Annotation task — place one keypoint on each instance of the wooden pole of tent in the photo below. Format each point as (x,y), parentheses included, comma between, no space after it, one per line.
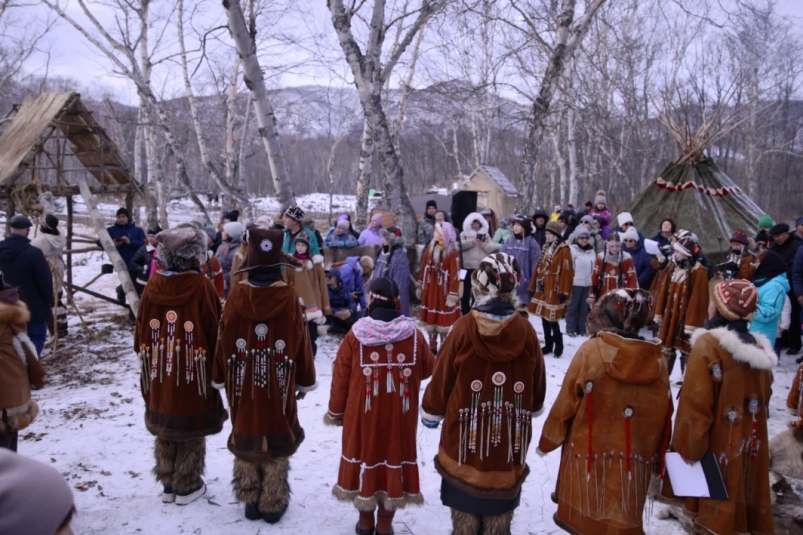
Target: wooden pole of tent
(69,239)
(108,245)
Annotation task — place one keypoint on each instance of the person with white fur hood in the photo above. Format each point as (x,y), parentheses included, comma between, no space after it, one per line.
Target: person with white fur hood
(476,243)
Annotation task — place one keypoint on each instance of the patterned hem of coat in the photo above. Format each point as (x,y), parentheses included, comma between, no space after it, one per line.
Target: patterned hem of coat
(166,433)
(483,493)
(368,504)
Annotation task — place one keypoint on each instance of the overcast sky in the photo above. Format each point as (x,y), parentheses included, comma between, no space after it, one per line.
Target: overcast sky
(69,55)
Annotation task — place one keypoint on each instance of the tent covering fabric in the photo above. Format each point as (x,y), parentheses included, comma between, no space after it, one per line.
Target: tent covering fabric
(700,198)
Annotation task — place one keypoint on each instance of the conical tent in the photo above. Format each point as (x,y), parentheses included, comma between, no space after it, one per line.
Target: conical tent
(701,198)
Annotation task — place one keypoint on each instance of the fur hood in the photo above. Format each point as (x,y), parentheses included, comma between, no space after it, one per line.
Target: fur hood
(469,232)
(309,264)
(760,356)
(17,314)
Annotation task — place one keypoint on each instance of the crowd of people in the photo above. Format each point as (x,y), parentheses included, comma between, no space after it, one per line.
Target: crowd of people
(234,312)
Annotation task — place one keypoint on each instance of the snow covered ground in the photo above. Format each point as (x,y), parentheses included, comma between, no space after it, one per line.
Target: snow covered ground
(91,429)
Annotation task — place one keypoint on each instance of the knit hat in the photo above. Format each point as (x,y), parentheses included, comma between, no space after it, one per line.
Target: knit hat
(780,228)
(765,221)
(234,230)
(304,238)
(770,266)
(684,246)
(342,224)
(123,211)
(557,208)
(581,231)
(629,234)
(265,250)
(432,203)
(601,198)
(739,236)
(393,235)
(587,219)
(19,222)
(34,497)
(495,278)
(762,237)
(623,218)
(179,246)
(623,311)
(51,221)
(554,228)
(343,217)
(154,230)
(736,299)
(377,218)
(366,263)
(232,215)
(799,221)
(295,212)
(383,292)
(210,233)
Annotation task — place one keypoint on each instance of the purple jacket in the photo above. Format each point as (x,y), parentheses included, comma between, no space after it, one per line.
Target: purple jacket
(605,217)
(370,236)
(396,266)
(526,252)
(351,277)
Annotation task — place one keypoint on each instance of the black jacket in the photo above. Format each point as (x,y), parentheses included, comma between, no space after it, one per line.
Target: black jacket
(140,264)
(24,266)
(787,251)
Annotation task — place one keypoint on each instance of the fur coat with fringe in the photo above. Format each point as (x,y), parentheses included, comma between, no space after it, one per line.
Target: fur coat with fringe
(612,379)
(376,380)
(309,281)
(723,410)
(17,409)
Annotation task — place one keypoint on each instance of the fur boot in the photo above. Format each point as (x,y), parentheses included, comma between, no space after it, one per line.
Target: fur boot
(247,481)
(190,464)
(275,495)
(465,523)
(548,340)
(497,525)
(164,451)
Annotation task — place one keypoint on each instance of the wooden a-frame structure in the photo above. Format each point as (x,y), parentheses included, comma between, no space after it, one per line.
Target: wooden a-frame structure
(56,139)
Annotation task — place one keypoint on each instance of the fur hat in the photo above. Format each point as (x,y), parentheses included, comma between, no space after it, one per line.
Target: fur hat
(178,247)
(684,246)
(295,212)
(739,236)
(624,217)
(495,278)
(629,234)
(554,228)
(624,311)
(265,250)
(601,198)
(736,299)
(393,235)
(234,231)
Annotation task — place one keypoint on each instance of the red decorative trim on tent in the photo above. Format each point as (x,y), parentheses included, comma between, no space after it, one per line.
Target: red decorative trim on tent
(711,192)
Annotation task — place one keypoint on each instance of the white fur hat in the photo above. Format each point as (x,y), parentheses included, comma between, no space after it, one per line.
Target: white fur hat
(624,217)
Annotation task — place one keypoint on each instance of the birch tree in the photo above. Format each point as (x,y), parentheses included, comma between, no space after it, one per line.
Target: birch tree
(244,37)
(370,73)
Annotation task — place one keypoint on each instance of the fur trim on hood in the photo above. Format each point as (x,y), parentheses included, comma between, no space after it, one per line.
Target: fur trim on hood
(470,232)
(760,356)
(17,314)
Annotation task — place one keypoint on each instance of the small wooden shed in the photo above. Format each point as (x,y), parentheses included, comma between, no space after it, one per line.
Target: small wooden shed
(494,190)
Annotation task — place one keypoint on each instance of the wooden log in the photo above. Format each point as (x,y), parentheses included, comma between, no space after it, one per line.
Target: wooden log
(79,251)
(69,237)
(75,288)
(108,245)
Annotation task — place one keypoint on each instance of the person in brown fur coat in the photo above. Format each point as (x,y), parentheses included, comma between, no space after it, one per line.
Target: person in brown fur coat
(175,340)
(723,410)
(612,421)
(489,382)
(264,362)
(19,368)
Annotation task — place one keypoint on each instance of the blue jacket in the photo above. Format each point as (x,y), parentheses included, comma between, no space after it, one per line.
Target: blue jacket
(351,276)
(136,237)
(24,267)
(771,298)
(287,247)
(797,273)
(339,240)
(340,297)
(643,263)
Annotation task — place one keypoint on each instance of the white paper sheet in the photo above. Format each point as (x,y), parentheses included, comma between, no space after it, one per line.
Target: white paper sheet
(687,480)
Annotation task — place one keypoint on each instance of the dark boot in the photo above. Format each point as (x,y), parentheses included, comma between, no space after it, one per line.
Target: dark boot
(275,495)
(558,338)
(252,511)
(164,451)
(548,340)
(670,355)
(433,342)
(359,531)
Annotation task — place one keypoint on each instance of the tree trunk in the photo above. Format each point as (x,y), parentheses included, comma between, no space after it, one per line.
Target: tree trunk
(244,139)
(364,180)
(108,245)
(571,146)
(255,82)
